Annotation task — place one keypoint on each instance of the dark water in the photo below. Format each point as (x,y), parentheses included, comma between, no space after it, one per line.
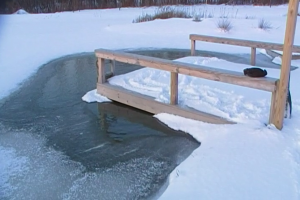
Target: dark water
(75,150)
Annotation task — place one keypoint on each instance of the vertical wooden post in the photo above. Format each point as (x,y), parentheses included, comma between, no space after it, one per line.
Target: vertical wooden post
(280,99)
(273,105)
(174,88)
(193,47)
(101,71)
(253,56)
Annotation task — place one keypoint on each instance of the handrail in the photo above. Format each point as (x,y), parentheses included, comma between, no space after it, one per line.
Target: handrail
(215,74)
(239,42)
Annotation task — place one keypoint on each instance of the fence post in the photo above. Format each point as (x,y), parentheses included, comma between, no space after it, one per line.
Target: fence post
(273,104)
(281,95)
(253,56)
(101,70)
(193,47)
(174,88)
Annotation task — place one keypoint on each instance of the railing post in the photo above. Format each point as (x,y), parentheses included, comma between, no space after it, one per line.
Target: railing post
(273,104)
(253,56)
(174,88)
(290,29)
(101,71)
(193,47)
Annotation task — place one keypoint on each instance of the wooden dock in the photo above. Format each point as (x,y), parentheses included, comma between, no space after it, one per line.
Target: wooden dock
(148,104)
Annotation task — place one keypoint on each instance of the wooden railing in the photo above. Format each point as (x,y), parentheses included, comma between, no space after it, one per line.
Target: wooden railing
(175,68)
(276,110)
(245,43)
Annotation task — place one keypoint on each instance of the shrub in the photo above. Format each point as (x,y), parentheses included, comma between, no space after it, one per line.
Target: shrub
(164,12)
(224,24)
(204,14)
(264,25)
(167,12)
(143,18)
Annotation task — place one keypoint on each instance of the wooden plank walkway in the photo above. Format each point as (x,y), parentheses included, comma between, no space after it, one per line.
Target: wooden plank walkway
(149,104)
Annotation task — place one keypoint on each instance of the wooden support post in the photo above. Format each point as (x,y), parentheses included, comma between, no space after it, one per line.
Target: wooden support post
(253,56)
(174,88)
(193,47)
(273,105)
(101,70)
(280,99)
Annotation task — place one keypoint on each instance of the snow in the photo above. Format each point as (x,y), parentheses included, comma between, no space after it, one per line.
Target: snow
(93,96)
(21,12)
(247,160)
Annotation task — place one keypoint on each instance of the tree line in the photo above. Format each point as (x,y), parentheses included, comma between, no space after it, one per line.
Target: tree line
(51,6)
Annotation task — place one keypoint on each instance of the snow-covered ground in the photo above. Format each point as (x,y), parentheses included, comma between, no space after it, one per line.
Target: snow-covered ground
(243,161)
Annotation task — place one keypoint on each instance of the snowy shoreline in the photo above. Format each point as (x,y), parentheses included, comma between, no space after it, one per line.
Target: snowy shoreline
(243,161)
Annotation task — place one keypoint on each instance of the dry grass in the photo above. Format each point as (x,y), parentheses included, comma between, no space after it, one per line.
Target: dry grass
(264,24)
(224,24)
(164,12)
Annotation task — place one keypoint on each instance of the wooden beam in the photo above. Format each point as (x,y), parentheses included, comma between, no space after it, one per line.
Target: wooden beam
(280,100)
(174,88)
(253,56)
(273,105)
(148,104)
(101,70)
(226,76)
(193,47)
(245,43)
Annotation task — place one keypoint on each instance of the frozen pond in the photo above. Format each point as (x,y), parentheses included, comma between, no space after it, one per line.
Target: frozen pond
(55,146)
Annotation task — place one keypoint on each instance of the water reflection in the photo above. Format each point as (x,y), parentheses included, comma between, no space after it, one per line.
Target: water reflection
(127,153)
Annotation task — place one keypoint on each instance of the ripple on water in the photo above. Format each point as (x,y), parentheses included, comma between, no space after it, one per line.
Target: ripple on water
(55,146)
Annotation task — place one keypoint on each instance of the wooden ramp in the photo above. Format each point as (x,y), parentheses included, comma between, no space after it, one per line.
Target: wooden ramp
(149,104)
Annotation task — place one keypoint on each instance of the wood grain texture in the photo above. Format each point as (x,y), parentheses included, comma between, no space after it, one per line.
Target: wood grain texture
(193,47)
(101,70)
(226,76)
(245,43)
(148,104)
(253,56)
(280,100)
(174,88)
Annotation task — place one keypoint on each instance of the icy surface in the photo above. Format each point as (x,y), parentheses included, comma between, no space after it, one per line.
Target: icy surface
(93,96)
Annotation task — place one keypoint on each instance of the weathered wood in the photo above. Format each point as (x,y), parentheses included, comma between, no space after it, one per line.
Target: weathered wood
(245,43)
(280,100)
(253,56)
(273,106)
(174,88)
(101,70)
(226,76)
(193,47)
(148,104)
